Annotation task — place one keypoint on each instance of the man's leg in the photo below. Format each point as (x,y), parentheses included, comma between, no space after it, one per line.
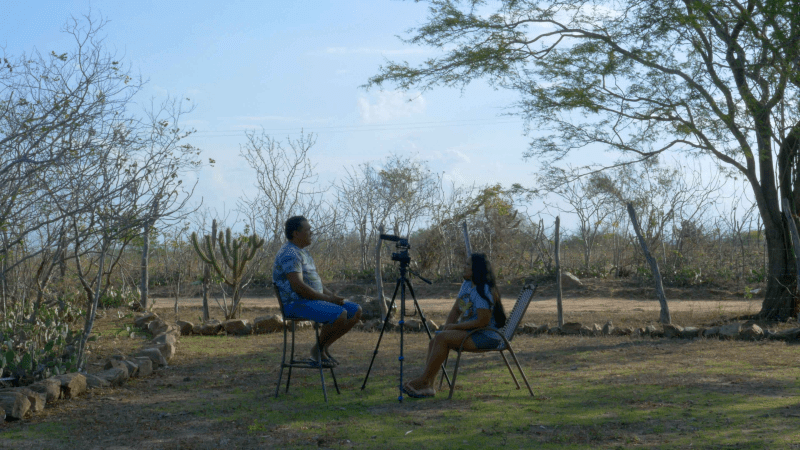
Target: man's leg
(332,332)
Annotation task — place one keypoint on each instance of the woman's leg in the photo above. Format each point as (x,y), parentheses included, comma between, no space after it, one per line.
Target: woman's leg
(437,353)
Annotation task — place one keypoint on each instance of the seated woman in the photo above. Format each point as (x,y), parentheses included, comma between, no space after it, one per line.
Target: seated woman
(478,305)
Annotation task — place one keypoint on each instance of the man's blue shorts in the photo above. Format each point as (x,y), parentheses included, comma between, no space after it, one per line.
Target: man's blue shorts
(318,310)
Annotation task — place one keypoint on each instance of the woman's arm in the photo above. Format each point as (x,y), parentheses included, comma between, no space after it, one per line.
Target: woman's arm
(455,311)
(483,320)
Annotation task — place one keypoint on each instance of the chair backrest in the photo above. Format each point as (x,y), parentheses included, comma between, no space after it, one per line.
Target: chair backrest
(278,296)
(515,317)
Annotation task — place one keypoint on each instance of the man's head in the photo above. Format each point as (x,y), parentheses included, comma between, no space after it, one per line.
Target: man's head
(298,231)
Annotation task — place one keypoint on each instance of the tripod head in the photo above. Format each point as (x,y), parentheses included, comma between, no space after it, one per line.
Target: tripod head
(403,246)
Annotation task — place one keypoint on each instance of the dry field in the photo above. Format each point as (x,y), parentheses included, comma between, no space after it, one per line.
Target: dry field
(591,392)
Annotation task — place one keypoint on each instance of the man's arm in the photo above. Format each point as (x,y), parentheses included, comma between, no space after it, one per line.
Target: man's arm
(303,290)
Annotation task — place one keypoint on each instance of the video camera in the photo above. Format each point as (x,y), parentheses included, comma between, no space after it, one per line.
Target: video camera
(401,244)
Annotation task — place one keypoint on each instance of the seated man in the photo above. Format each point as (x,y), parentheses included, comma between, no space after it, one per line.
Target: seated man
(303,294)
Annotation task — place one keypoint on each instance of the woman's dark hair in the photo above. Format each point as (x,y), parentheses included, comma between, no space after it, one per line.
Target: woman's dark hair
(293,224)
(483,276)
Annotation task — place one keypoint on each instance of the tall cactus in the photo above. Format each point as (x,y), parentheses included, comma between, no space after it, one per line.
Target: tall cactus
(236,253)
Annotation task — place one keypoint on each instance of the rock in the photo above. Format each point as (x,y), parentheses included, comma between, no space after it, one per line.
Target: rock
(751,331)
(184,327)
(730,331)
(72,384)
(118,364)
(528,328)
(143,320)
(36,399)
(370,306)
(166,349)
(155,324)
(691,332)
(432,326)
(596,329)
(154,355)
(145,365)
(94,382)
(15,404)
(115,376)
(2,415)
(239,327)
(608,328)
(268,324)
(709,332)
(570,281)
(50,388)
(554,331)
(650,330)
(164,338)
(542,329)
(412,325)
(672,331)
(622,331)
(372,325)
(786,335)
(571,328)
(210,328)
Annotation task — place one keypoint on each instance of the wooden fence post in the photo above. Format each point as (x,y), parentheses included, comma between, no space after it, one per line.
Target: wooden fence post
(558,272)
(466,238)
(379,275)
(664,317)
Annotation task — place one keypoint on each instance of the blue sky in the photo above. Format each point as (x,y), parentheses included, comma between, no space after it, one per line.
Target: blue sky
(287,66)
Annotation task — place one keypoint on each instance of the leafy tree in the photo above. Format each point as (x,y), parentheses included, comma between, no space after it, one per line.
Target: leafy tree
(706,77)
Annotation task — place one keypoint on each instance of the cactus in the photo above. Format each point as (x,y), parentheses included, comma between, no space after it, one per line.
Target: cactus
(236,253)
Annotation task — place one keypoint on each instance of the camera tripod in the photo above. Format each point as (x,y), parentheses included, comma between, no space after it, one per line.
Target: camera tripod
(402,282)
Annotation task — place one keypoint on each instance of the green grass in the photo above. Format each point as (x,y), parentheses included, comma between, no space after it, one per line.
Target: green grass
(590,393)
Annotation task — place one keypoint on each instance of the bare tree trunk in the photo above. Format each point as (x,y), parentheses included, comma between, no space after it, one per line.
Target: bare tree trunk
(91,312)
(145,273)
(206,277)
(379,276)
(557,252)
(662,299)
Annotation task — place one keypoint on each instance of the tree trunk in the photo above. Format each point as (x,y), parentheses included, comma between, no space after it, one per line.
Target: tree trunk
(787,211)
(206,281)
(779,301)
(145,273)
(662,299)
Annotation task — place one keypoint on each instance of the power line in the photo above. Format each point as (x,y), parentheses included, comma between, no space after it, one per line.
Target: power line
(363,128)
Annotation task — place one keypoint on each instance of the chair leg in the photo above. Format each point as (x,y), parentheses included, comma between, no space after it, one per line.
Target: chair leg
(283,362)
(522,372)
(319,363)
(505,360)
(444,366)
(455,374)
(291,360)
(335,384)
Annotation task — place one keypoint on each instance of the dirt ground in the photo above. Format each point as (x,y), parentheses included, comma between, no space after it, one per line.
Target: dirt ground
(126,417)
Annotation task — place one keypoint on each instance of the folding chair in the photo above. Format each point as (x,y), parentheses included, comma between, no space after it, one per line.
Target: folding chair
(506,333)
(299,364)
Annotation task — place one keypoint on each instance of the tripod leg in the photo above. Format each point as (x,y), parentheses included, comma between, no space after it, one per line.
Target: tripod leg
(380,337)
(427,330)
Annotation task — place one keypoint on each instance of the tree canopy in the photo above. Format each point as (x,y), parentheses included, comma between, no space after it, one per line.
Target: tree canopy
(706,77)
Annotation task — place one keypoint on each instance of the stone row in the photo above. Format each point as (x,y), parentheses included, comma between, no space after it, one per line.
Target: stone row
(18,403)
(743,331)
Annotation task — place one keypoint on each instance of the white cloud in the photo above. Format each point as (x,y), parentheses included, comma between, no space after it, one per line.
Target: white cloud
(390,105)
